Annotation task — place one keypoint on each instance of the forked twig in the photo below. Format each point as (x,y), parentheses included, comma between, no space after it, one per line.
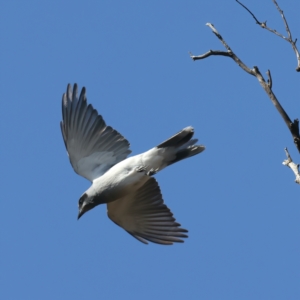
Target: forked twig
(266,85)
(289,39)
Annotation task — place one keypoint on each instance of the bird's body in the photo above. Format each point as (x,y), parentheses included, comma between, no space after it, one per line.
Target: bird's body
(131,173)
(119,180)
(99,153)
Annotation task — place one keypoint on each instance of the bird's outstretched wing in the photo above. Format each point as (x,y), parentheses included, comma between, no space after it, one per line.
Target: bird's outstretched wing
(92,146)
(144,215)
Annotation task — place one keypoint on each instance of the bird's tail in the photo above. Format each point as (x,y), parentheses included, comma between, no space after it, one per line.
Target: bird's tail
(183,144)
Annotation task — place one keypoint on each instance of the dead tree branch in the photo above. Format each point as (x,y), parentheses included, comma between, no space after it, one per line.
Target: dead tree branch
(267,86)
(295,168)
(289,39)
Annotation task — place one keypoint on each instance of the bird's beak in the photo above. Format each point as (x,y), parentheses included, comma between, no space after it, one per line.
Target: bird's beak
(80,213)
(83,209)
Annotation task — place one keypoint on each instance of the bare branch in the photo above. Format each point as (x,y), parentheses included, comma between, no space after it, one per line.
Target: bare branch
(267,86)
(257,22)
(214,30)
(209,53)
(289,39)
(284,20)
(294,167)
(229,52)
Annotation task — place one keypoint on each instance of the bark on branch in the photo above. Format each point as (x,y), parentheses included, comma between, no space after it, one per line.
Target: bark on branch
(289,38)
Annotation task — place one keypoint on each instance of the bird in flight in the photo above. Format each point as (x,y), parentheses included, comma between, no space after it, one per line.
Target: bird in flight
(126,184)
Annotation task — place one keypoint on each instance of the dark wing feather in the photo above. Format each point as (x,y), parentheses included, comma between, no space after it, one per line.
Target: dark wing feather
(144,215)
(92,146)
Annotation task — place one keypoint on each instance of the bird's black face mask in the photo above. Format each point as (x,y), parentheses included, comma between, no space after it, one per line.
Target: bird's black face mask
(85,204)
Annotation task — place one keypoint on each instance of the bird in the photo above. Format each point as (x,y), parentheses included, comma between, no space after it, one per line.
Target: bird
(99,153)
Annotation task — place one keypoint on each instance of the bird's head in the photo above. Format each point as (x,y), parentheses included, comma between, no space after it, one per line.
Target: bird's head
(85,203)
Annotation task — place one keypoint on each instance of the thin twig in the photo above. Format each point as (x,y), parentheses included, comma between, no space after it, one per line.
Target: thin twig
(289,39)
(294,167)
(266,85)
(251,13)
(209,53)
(284,20)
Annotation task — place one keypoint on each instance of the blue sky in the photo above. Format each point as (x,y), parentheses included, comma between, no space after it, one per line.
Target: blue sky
(239,203)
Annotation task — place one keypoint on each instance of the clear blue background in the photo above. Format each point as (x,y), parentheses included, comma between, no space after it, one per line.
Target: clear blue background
(240,204)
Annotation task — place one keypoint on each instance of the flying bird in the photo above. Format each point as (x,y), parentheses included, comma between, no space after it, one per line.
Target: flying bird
(126,184)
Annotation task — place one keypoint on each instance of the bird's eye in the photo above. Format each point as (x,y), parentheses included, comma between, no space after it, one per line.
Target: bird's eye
(81,200)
